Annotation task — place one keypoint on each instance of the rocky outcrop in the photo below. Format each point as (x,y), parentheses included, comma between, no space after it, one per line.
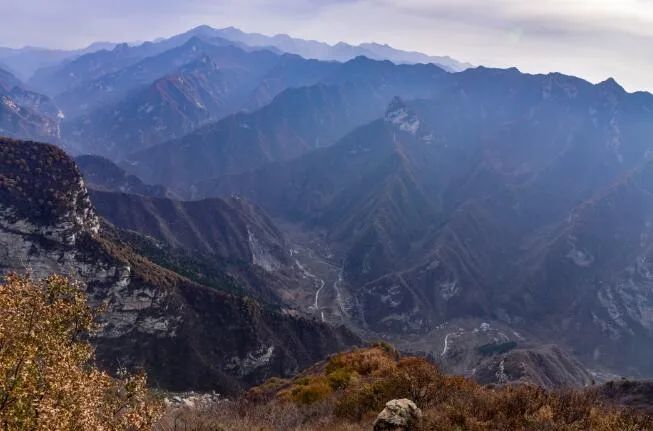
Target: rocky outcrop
(48,225)
(398,415)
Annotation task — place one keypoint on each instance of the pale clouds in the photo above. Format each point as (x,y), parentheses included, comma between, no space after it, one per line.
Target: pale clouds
(594,39)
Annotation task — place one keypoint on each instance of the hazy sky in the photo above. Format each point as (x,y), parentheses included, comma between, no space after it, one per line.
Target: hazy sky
(594,39)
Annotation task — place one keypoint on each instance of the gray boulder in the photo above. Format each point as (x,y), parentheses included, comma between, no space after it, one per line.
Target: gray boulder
(398,415)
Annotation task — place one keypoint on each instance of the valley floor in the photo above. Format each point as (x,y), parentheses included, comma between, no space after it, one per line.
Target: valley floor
(490,351)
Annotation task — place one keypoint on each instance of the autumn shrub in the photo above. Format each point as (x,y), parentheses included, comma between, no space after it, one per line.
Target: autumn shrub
(47,378)
(310,390)
(411,377)
(350,389)
(372,361)
(387,348)
(367,399)
(363,380)
(341,378)
(421,380)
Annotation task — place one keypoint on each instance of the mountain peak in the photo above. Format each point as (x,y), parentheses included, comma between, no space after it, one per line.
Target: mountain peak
(201,30)
(611,85)
(364,64)
(202,27)
(121,47)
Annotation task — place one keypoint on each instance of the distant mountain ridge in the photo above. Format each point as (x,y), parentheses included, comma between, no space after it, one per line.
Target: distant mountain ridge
(84,65)
(108,96)
(25,61)
(339,52)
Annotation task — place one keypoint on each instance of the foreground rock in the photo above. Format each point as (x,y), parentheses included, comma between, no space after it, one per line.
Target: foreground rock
(398,415)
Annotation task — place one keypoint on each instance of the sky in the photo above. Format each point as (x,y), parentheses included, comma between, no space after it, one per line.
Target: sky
(593,39)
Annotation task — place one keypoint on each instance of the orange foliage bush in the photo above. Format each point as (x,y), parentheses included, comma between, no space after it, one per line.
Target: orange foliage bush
(357,385)
(349,390)
(47,380)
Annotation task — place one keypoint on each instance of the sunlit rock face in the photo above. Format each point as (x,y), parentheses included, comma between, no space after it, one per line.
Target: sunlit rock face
(55,229)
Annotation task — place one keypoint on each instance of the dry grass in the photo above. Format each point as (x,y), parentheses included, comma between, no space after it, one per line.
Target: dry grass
(349,390)
(242,415)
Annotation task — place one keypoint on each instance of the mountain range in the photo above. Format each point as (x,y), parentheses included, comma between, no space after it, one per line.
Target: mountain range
(247,205)
(339,52)
(25,61)
(296,121)
(486,202)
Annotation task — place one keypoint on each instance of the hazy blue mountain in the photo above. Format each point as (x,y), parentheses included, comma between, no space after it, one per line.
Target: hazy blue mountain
(294,123)
(114,86)
(25,61)
(171,106)
(94,64)
(518,199)
(102,59)
(215,81)
(291,71)
(8,80)
(61,77)
(26,114)
(102,174)
(340,52)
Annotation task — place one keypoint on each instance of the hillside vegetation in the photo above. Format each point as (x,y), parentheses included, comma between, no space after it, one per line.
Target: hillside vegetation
(350,389)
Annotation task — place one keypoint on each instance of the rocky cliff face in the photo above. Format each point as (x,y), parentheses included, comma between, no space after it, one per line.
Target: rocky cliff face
(48,225)
(185,335)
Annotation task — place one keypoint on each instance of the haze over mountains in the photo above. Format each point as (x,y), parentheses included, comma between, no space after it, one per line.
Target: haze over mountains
(471,205)
(301,197)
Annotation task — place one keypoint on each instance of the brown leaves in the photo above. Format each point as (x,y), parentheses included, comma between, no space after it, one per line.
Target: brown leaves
(356,385)
(47,379)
